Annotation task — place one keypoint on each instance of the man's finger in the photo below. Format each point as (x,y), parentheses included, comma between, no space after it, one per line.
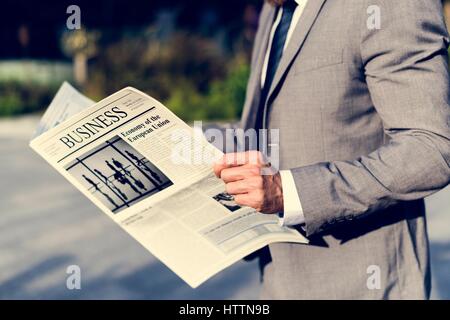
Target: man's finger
(238,173)
(244,200)
(235,159)
(237,187)
(229,160)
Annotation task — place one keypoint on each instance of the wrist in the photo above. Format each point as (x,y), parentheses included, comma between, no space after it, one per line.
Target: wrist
(273,193)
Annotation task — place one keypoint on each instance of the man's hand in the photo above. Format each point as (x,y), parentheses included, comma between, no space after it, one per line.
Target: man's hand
(241,173)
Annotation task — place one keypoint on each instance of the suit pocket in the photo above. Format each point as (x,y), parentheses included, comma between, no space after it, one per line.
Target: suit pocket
(322,60)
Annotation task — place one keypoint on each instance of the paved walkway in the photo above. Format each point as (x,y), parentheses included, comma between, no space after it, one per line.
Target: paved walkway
(47,225)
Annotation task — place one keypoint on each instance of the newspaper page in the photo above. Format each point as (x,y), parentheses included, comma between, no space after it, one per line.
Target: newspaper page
(121,153)
(66,103)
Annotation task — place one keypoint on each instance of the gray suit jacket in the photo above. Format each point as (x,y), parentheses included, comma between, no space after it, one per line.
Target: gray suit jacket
(364,121)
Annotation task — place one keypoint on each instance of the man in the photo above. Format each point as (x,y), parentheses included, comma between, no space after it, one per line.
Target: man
(359,92)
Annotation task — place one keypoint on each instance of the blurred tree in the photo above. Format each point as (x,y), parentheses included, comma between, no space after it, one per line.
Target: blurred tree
(223,101)
(191,74)
(17,98)
(156,66)
(80,45)
(191,55)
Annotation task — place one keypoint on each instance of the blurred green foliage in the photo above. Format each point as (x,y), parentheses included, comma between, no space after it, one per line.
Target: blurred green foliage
(190,74)
(18,97)
(29,85)
(222,101)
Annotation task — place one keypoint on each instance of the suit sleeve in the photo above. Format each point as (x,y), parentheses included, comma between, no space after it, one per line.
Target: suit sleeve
(406,70)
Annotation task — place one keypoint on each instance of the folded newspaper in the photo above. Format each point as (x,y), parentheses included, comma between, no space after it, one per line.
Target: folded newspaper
(121,153)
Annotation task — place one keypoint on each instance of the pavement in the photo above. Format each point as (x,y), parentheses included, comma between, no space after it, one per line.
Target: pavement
(46,225)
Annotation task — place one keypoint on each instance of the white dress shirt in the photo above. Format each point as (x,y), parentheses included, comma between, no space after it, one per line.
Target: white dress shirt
(293,212)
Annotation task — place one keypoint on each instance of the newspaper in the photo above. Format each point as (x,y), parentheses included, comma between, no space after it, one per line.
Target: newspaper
(122,153)
(66,103)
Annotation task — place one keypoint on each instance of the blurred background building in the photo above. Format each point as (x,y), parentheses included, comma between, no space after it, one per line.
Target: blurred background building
(191,55)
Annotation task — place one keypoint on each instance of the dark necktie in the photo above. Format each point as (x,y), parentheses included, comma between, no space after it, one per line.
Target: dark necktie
(276,51)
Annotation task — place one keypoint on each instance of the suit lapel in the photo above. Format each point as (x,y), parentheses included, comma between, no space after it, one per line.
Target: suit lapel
(301,31)
(254,87)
